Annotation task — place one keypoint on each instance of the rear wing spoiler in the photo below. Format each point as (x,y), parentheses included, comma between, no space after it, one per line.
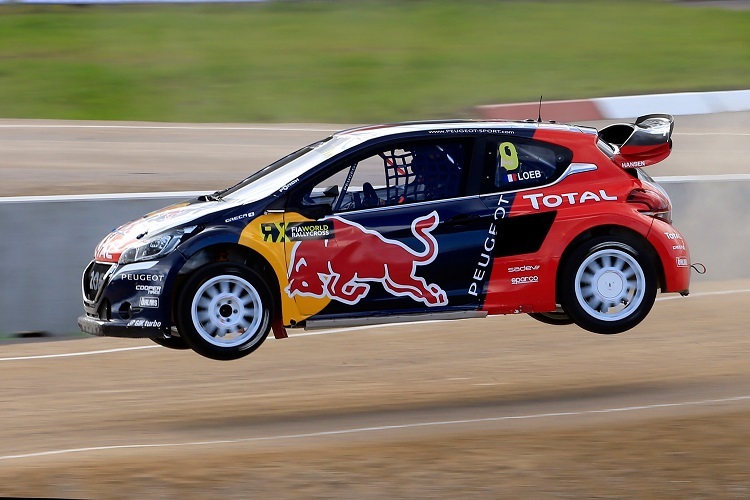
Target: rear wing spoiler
(640,144)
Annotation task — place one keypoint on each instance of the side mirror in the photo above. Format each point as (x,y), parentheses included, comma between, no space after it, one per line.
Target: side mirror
(319,205)
(317,211)
(331,191)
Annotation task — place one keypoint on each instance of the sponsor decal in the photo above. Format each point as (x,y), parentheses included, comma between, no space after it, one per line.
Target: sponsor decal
(521,280)
(144,323)
(673,236)
(279,232)
(523,269)
(104,254)
(555,200)
(149,289)
(364,256)
(480,271)
(678,247)
(682,262)
(472,131)
(628,164)
(239,217)
(140,277)
(301,231)
(273,231)
(288,185)
(109,246)
(167,214)
(149,302)
(524,176)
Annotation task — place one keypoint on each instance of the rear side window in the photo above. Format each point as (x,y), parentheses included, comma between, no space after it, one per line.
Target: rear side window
(513,163)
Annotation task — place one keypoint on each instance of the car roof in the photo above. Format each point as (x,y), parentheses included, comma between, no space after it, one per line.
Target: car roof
(368,132)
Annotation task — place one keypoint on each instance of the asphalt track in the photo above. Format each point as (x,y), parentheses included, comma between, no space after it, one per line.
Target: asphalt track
(500,407)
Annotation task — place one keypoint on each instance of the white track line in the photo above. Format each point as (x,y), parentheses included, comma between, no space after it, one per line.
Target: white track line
(322,332)
(166,127)
(55,198)
(712,133)
(702,178)
(704,294)
(82,353)
(360,430)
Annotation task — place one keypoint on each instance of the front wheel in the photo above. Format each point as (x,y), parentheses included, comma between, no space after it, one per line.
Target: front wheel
(224,311)
(608,285)
(177,343)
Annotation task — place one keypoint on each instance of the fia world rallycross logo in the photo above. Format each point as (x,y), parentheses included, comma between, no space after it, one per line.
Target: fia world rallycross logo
(343,271)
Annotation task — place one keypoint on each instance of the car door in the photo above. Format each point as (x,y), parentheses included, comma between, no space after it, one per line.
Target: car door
(399,233)
(518,274)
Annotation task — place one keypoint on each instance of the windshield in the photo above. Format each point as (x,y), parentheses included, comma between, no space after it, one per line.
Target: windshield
(286,171)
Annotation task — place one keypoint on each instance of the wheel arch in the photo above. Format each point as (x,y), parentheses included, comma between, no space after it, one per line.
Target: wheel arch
(233,253)
(608,230)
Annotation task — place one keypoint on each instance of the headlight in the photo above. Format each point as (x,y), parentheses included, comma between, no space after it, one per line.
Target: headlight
(156,246)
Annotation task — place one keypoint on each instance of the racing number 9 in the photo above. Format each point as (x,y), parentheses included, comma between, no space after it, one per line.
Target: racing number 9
(508,156)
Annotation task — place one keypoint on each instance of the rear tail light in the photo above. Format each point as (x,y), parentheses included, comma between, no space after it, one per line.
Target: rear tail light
(652,203)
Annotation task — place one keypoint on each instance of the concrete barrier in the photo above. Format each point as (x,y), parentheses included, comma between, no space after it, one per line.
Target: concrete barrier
(621,107)
(48,241)
(713,214)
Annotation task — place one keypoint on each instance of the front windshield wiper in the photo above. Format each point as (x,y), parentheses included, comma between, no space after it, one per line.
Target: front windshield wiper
(215,196)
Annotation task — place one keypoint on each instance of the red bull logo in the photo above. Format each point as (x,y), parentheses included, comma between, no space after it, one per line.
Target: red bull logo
(342,268)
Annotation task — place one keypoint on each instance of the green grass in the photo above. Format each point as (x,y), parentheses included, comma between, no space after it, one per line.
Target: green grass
(355,61)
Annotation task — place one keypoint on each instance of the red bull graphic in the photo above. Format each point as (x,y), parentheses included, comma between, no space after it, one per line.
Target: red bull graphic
(342,267)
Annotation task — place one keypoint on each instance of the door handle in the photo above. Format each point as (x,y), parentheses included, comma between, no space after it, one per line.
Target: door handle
(465,219)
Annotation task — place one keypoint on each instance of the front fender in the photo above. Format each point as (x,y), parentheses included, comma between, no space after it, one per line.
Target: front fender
(209,237)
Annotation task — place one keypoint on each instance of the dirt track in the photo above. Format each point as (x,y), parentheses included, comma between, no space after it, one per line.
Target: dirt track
(474,373)
(503,407)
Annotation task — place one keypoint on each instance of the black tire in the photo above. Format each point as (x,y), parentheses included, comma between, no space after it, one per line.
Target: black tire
(553,318)
(177,343)
(224,311)
(608,284)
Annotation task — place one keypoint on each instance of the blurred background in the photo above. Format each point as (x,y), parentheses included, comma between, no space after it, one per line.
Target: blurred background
(354,61)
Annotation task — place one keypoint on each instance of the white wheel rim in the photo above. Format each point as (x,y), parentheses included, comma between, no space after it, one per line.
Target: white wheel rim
(610,285)
(227,311)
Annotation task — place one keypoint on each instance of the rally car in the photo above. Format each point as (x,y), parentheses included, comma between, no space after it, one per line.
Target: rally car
(403,222)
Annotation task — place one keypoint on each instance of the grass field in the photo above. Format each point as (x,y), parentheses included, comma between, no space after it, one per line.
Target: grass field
(355,61)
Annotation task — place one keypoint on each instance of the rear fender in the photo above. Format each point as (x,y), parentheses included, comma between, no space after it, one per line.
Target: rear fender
(510,293)
(674,255)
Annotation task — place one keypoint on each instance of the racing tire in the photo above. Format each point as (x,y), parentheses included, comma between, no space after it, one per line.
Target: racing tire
(177,343)
(608,285)
(224,311)
(553,318)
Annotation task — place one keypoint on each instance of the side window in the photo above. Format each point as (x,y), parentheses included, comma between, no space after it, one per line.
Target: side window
(400,173)
(513,163)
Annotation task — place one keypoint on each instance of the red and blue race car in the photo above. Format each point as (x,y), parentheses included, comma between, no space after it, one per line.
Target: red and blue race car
(403,222)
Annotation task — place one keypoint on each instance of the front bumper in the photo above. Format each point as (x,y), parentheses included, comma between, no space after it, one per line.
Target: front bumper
(136,329)
(131,300)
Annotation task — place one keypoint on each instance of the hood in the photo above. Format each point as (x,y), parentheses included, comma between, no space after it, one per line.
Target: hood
(115,243)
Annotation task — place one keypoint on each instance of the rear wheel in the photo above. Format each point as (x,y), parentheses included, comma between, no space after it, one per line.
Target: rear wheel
(553,318)
(609,284)
(224,311)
